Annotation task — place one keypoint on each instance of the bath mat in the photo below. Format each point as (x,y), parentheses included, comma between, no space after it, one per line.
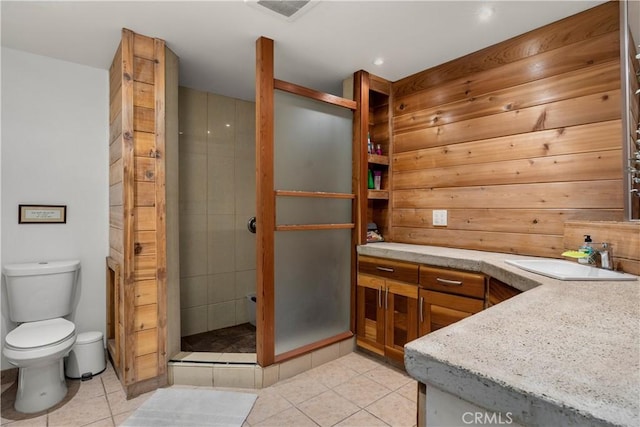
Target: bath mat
(179,407)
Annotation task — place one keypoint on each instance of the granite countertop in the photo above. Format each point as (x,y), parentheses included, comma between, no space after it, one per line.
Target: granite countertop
(561,353)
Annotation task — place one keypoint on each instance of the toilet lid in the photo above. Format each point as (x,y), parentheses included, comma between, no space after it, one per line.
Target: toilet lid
(40,334)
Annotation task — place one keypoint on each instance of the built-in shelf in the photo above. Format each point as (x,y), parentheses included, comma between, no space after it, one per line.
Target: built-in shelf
(377,159)
(378,194)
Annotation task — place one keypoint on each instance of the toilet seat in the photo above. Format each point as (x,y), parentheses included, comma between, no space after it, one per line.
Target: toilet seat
(43,333)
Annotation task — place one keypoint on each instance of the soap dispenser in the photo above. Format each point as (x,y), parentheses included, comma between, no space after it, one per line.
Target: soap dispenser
(587,249)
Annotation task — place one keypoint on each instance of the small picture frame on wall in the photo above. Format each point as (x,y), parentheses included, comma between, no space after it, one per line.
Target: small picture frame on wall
(42,214)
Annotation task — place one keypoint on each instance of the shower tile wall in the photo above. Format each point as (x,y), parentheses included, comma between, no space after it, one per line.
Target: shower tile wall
(217,197)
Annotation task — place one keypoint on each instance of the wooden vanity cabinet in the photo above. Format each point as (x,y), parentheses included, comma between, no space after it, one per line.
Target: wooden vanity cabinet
(499,291)
(447,296)
(387,306)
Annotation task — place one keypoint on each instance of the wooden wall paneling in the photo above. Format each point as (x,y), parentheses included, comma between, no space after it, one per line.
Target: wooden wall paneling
(534,221)
(144,119)
(515,243)
(145,218)
(143,47)
(600,194)
(128,267)
(146,342)
(570,58)
(146,292)
(115,128)
(146,317)
(145,266)
(146,367)
(361,81)
(143,70)
(115,173)
(145,193)
(568,167)
(143,95)
(161,208)
(144,144)
(581,82)
(513,140)
(589,24)
(116,217)
(586,109)
(115,149)
(565,140)
(145,169)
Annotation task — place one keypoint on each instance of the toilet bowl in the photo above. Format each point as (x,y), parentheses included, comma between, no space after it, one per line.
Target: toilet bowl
(40,295)
(38,349)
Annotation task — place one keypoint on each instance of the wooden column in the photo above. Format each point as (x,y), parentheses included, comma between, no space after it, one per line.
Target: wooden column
(265,314)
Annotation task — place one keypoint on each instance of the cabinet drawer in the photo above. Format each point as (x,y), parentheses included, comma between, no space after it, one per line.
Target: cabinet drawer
(452,281)
(396,270)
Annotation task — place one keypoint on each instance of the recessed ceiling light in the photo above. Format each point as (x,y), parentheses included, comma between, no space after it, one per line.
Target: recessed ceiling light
(485,13)
(378,61)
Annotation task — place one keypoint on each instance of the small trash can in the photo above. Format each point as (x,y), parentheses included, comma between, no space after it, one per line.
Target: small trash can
(87,357)
(251,308)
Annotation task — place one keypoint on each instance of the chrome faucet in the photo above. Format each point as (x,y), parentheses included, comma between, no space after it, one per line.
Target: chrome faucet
(606,259)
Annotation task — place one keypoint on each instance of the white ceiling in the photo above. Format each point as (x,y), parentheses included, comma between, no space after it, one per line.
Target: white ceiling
(215,40)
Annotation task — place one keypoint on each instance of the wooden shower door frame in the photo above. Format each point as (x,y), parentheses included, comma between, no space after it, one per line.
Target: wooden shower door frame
(266,195)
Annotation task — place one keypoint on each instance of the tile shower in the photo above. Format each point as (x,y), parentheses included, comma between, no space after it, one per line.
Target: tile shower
(217,197)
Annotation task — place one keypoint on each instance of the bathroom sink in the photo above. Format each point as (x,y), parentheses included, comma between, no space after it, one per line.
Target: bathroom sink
(567,270)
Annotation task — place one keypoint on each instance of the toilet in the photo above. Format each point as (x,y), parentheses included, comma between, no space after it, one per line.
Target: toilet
(39,295)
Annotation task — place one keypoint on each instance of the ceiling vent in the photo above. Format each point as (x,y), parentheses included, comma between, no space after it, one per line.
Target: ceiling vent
(289,10)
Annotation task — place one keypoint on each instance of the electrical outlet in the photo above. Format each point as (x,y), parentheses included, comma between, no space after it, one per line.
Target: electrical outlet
(440,217)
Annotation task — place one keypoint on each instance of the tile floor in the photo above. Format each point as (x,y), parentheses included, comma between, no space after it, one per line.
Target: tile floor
(354,390)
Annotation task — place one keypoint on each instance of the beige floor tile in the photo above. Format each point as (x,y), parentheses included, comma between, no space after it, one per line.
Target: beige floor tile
(359,362)
(362,391)
(395,410)
(80,411)
(40,421)
(110,381)
(268,404)
(389,377)
(362,419)
(121,418)
(331,374)
(328,408)
(298,389)
(105,422)
(291,417)
(410,391)
(119,403)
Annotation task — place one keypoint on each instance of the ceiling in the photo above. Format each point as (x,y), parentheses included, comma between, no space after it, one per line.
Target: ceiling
(326,42)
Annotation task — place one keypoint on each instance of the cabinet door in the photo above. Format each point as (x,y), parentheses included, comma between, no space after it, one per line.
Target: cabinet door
(370,313)
(401,309)
(437,309)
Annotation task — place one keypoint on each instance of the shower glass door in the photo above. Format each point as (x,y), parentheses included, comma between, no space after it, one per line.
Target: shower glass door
(313,223)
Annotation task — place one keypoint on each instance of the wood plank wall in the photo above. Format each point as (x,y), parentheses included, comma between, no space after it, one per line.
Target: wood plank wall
(512,140)
(137,233)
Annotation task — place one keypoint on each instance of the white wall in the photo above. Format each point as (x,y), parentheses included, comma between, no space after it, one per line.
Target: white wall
(54,140)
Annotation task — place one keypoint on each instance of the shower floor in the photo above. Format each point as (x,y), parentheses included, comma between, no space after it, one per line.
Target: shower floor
(234,339)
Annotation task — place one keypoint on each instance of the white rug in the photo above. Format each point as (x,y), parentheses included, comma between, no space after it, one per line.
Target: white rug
(179,407)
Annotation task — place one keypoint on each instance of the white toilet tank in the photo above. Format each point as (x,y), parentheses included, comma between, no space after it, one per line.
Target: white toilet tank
(40,290)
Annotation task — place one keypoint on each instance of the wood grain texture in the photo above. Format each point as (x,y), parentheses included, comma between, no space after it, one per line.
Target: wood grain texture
(265,211)
(566,140)
(513,141)
(137,207)
(314,94)
(576,111)
(589,24)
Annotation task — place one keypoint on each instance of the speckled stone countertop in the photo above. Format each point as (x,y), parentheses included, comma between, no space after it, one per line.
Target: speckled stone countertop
(561,353)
